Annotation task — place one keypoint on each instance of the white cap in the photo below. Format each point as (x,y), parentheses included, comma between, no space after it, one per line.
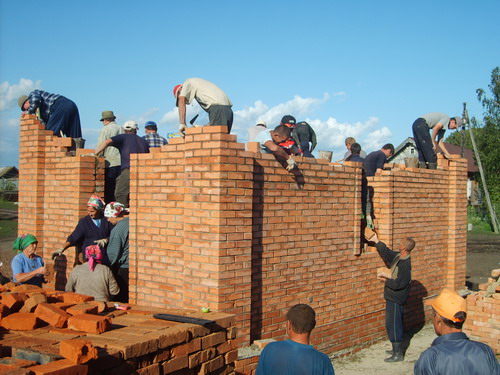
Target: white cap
(130,125)
(262,122)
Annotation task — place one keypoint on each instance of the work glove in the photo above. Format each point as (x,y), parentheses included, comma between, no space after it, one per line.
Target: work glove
(102,242)
(56,253)
(291,164)
(89,154)
(182,128)
(369,222)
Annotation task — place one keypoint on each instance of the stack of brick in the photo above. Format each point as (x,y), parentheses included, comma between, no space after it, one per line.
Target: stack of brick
(71,333)
(217,226)
(483,318)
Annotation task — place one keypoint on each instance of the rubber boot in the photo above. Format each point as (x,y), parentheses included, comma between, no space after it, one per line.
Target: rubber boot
(398,354)
(390,352)
(422,164)
(432,166)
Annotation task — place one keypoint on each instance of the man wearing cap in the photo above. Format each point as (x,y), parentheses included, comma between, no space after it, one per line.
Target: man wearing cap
(127,143)
(452,353)
(152,137)
(396,291)
(305,135)
(209,96)
(425,143)
(57,113)
(270,141)
(253,131)
(291,145)
(111,154)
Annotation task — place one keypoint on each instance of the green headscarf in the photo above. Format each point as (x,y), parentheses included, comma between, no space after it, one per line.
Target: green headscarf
(23,242)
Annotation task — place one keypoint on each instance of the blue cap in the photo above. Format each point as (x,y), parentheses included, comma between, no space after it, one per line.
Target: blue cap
(150,124)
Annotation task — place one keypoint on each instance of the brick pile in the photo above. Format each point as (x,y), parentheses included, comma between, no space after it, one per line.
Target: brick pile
(70,333)
(483,318)
(217,224)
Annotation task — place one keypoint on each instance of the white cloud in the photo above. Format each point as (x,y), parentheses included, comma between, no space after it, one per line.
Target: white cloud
(9,94)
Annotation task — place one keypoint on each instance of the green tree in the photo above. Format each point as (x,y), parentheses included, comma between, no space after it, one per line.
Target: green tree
(487,136)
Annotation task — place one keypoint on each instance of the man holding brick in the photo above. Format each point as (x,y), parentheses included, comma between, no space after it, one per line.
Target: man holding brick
(396,291)
(296,355)
(452,352)
(128,143)
(426,144)
(209,96)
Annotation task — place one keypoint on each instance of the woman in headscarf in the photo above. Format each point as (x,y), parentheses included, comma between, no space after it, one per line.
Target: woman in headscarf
(93,278)
(91,229)
(27,266)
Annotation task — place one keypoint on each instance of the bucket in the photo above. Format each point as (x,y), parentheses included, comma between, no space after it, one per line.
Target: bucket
(79,142)
(411,162)
(327,155)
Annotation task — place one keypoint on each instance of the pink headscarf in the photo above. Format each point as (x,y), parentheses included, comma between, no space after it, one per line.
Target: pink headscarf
(94,256)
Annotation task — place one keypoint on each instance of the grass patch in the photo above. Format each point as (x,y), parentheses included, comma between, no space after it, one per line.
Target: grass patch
(6,205)
(8,228)
(479,220)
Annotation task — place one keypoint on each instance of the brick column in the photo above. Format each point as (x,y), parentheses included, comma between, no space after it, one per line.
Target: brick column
(457,223)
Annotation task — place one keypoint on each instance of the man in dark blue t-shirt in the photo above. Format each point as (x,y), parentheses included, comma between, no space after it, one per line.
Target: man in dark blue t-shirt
(375,160)
(127,143)
(295,356)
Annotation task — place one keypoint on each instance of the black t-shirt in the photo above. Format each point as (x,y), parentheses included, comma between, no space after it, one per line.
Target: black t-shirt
(374,161)
(129,144)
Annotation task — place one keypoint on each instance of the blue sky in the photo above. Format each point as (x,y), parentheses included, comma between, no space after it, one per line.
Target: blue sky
(357,68)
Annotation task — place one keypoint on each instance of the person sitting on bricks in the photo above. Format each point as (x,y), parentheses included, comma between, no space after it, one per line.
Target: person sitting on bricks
(27,266)
(270,141)
(152,137)
(452,353)
(209,96)
(57,113)
(425,143)
(295,355)
(93,278)
(396,291)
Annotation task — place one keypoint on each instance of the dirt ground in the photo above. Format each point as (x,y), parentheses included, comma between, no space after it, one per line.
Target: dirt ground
(483,255)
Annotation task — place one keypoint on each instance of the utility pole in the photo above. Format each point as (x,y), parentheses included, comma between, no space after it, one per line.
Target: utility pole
(494,220)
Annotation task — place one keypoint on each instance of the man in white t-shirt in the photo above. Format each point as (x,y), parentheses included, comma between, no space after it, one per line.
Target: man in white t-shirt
(209,96)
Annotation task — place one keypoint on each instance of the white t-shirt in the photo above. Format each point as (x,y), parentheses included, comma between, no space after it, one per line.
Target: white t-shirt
(206,93)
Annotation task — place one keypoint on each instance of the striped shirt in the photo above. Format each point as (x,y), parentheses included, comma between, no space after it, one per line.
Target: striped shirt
(155,140)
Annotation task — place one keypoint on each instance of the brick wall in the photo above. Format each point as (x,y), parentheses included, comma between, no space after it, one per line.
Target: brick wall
(217,226)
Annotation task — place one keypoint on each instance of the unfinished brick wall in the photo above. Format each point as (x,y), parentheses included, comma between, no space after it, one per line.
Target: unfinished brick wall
(217,226)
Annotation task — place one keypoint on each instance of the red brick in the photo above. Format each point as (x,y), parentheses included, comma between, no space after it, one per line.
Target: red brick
(52,315)
(20,322)
(70,297)
(61,367)
(78,350)
(90,323)
(83,309)
(14,301)
(32,302)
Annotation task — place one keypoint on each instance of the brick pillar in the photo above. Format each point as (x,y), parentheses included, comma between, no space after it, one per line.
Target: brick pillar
(457,223)
(33,138)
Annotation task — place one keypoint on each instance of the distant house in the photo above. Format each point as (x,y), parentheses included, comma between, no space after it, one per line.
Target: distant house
(407,149)
(9,183)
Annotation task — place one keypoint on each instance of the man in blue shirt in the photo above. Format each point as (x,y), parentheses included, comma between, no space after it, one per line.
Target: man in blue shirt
(128,143)
(152,137)
(375,160)
(452,353)
(296,355)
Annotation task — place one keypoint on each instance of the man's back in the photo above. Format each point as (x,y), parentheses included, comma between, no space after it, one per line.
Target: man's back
(129,144)
(289,358)
(455,354)
(373,161)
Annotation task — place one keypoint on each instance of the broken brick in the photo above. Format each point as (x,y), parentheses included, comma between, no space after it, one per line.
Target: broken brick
(78,350)
(90,323)
(70,297)
(82,309)
(61,367)
(14,301)
(32,302)
(52,315)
